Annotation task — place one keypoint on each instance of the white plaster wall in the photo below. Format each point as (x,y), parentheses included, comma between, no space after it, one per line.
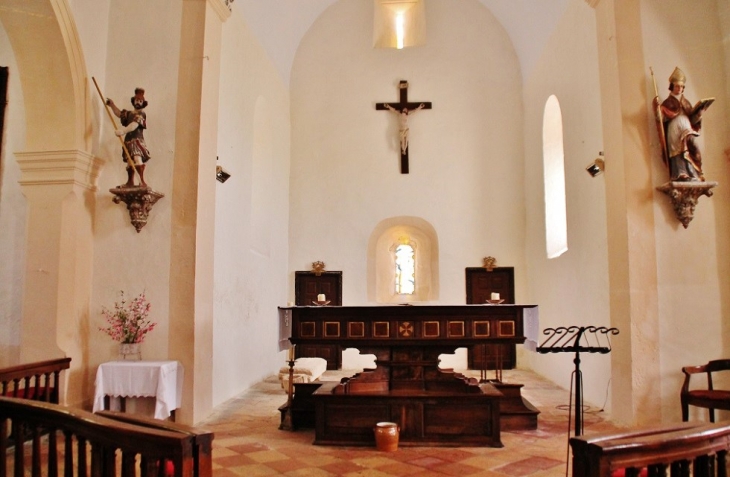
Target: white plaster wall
(571,290)
(13,212)
(466,167)
(693,264)
(143,39)
(251,249)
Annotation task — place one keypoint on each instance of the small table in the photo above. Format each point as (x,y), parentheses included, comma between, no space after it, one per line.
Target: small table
(162,380)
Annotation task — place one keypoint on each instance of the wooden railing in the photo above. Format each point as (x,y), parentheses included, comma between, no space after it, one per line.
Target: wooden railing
(75,443)
(683,449)
(38,381)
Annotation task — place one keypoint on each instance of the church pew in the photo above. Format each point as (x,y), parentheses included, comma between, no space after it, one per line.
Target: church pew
(675,449)
(73,442)
(38,381)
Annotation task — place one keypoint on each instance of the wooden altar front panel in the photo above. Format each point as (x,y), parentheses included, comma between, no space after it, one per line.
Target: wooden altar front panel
(460,325)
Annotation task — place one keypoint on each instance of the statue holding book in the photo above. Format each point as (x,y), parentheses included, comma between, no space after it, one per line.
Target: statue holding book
(680,124)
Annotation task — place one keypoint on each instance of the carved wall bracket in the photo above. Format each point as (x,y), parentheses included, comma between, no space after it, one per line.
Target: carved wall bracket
(684,196)
(139,202)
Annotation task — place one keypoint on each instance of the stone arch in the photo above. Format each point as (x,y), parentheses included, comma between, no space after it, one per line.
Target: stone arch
(52,73)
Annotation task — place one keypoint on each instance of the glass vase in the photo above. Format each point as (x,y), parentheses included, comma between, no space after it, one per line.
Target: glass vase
(130,351)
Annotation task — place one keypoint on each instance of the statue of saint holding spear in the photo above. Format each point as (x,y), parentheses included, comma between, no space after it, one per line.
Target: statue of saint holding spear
(134,149)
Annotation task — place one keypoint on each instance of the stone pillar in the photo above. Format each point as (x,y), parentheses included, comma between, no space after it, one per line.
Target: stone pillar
(635,375)
(193,202)
(59,187)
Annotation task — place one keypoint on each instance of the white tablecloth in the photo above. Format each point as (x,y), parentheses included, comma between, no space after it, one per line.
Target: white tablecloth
(162,380)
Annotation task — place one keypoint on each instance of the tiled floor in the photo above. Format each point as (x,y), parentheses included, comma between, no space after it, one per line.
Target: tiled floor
(248,442)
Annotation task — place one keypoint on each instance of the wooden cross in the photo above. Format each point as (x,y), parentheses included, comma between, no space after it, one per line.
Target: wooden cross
(403,108)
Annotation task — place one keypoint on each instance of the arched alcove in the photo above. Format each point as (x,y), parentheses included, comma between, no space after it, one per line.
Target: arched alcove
(381,260)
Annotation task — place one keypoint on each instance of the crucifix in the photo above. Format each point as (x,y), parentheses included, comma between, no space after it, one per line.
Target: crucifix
(403,108)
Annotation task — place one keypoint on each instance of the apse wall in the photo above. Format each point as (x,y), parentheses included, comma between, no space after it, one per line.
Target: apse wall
(466,167)
(572,289)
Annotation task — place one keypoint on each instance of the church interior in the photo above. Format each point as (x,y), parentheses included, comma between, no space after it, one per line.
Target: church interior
(537,145)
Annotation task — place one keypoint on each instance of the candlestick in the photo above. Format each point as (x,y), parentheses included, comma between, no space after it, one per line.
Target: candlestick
(495,296)
(291,353)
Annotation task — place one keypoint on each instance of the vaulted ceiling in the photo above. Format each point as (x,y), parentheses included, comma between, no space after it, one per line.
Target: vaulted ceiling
(281,24)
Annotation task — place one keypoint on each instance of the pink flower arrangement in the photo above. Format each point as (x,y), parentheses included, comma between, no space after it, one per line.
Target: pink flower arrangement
(129,321)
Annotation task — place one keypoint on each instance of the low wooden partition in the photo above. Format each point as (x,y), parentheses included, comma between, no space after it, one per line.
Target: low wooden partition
(62,440)
(683,449)
(38,381)
(433,418)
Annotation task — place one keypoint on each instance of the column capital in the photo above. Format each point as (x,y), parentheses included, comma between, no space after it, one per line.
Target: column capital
(63,167)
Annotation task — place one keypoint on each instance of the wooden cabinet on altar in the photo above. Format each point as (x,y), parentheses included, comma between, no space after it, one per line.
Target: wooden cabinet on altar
(307,285)
(480,284)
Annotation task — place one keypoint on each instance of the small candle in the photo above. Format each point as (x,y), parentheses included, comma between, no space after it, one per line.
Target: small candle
(320,297)
(495,296)
(291,352)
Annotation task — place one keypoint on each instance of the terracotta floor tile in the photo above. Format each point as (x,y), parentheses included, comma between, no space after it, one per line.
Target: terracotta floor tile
(248,442)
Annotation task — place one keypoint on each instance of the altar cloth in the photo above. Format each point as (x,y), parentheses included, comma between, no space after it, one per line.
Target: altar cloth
(162,380)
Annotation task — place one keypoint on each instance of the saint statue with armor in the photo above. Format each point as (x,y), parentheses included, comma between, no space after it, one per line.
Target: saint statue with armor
(134,122)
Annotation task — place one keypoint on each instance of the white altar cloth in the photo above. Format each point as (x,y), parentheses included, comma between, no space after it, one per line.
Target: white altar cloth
(162,380)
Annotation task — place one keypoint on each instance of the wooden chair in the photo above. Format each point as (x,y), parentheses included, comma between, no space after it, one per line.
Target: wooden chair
(709,397)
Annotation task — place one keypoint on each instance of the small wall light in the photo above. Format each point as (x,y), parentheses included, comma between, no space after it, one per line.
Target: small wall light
(597,166)
(221,175)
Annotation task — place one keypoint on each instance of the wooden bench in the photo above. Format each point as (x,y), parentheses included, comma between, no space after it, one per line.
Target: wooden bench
(37,381)
(709,397)
(75,442)
(679,448)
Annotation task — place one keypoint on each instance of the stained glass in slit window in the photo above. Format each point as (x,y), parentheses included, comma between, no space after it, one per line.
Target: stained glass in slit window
(405,270)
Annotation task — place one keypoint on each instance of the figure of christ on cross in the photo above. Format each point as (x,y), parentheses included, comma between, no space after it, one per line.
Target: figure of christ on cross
(403,108)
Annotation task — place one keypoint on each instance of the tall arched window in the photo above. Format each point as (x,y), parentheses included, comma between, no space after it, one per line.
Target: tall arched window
(556,226)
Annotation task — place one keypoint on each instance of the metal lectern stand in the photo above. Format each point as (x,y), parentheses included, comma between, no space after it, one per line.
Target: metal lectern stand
(577,339)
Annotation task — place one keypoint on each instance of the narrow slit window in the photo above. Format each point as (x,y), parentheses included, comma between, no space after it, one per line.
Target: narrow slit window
(405,270)
(556,226)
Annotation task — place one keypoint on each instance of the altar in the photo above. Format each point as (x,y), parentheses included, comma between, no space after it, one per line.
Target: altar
(432,406)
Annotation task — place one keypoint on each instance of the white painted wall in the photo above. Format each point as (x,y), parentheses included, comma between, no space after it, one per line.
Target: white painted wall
(571,290)
(251,249)
(693,264)
(144,53)
(13,212)
(466,167)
